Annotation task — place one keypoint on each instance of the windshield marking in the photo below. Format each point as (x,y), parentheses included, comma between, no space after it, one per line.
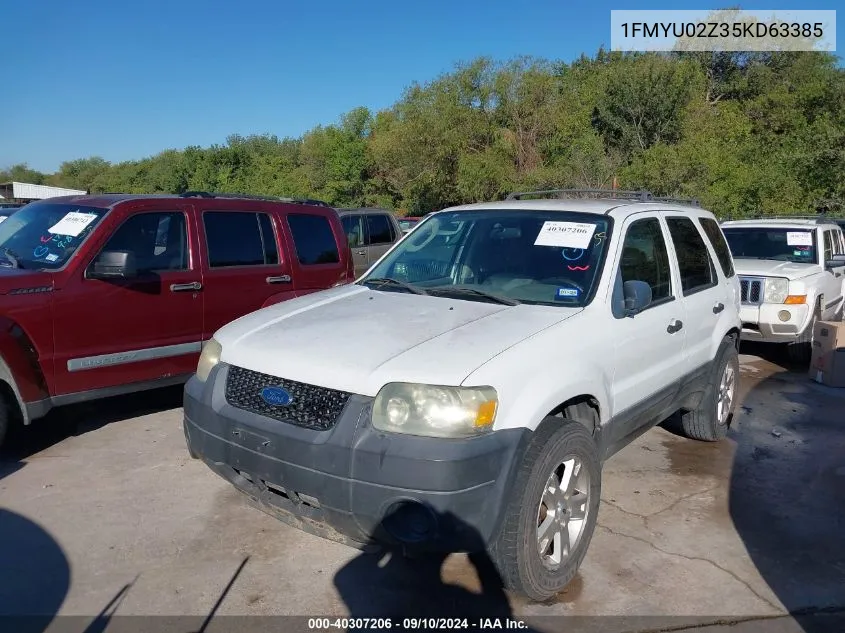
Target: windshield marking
(565,234)
(72,224)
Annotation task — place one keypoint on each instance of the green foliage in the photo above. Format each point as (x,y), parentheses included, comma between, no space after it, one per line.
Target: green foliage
(743,132)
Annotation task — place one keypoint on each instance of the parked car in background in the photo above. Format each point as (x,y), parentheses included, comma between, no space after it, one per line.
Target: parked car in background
(7,210)
(791,275)
(370,233)
(478,375)
(107,294)
(406,224)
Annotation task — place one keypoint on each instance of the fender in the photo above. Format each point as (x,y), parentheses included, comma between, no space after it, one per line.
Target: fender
(535,399)
(20,367)
(279,297)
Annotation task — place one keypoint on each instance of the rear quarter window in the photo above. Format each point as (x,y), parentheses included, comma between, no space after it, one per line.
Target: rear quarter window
(313,239)
(720,245)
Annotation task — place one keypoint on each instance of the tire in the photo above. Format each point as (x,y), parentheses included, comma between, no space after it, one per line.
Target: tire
(516,551)
(710,421)
(801,350)
(5,420)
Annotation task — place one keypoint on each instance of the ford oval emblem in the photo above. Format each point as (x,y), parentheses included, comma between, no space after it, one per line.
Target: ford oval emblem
(276,396)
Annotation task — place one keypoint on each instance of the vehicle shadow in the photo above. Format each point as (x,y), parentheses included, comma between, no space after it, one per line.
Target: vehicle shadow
(787,493)
(388,584)
(78,419)
(34,575)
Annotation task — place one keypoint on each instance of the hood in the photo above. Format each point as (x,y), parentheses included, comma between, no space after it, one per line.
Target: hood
(355,339)
(773,268)
(14,280)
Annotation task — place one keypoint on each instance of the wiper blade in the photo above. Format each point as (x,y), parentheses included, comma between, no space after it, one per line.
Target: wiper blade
(389,281)
(10,255)
(446,290)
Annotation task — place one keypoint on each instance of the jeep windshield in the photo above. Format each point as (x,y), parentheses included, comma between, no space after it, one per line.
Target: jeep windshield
(44,236)
(499,256)
(780,244)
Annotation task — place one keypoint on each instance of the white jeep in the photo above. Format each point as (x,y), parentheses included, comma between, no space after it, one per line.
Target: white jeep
(464,393)
(791,275)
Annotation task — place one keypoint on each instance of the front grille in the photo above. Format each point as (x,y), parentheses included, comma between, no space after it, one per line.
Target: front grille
(311,407)
(751,290)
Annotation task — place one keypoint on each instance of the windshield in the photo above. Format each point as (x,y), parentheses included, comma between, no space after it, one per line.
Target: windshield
(43,235)
(788,245)
(502,256)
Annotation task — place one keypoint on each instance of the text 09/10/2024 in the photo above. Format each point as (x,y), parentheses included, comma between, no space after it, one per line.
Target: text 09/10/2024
(386,624)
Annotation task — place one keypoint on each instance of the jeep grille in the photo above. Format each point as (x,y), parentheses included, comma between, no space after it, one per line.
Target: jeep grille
(751,290)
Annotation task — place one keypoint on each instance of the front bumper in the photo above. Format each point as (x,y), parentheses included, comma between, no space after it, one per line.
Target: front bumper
(354,484)
(762,322)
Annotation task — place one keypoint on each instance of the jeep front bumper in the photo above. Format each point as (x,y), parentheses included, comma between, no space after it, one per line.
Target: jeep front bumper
(351,483)
(773,322)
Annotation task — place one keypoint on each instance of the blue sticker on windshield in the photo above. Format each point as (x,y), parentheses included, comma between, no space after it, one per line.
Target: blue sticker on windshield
(566,293)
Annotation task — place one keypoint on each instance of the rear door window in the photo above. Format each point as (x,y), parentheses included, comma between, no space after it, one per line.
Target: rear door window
(314,239)
(719,244)
(239,239)
(696,267)
(379,229)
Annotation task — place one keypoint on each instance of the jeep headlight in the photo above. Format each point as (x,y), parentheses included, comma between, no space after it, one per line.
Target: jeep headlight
(776,290)
(435,411)
(209,357)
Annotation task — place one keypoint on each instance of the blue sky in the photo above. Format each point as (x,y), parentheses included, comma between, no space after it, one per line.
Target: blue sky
(128,79)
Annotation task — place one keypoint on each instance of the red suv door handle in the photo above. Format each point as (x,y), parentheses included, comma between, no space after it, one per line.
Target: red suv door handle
(281,279)
(190,287)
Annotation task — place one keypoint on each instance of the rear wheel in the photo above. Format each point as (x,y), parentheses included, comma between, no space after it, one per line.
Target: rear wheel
(5,419)
(710,421)
(550,518)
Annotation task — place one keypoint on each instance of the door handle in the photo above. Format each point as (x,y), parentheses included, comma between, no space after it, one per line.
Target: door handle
(674,326)
(718,308)
(194,285)
(281,279)
(362,252)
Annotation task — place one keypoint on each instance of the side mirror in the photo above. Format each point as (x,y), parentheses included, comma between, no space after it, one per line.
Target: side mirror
(835,262)
(637,296)
(113,265)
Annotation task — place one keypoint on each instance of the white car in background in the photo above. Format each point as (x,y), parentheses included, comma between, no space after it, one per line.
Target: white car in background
(791,275)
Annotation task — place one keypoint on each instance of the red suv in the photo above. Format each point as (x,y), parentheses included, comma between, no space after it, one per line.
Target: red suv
(106,294)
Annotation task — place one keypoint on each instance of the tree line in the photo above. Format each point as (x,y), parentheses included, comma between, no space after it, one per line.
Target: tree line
(744,133)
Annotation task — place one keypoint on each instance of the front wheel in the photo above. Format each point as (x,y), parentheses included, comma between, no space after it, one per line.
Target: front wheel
(550,518)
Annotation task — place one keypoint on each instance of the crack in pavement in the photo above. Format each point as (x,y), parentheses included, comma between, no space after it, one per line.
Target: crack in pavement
(674,504)
(695,558)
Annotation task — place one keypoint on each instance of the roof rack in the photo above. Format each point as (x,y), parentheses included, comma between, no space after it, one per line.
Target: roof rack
(616,194)
(249,196)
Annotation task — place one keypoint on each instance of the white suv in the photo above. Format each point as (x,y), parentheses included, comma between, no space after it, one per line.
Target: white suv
(791,275)
(464,393)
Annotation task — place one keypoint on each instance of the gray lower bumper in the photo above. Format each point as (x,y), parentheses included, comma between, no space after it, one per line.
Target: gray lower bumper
(352,483)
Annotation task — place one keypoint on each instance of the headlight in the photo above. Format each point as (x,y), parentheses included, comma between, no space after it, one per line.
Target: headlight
(208,359)
(435,411)
(776,290)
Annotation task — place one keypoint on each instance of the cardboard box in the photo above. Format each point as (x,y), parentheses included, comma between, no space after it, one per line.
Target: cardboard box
(827,365)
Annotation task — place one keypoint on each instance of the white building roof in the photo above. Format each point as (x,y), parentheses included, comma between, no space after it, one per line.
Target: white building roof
(27,191)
